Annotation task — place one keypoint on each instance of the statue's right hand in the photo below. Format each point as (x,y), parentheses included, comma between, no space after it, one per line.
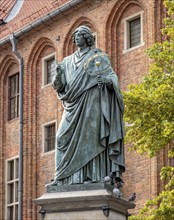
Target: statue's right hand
(58,68)
(58,65)
(58,80)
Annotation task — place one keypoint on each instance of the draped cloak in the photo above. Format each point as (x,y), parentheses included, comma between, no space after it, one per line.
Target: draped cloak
(90,134)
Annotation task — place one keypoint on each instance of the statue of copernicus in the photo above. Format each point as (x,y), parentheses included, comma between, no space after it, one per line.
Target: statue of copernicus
(90,135)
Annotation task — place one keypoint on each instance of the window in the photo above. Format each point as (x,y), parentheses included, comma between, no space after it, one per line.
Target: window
(133,31)
(49,136)
(50,64)
(14,96)
(12,179)
(48,69)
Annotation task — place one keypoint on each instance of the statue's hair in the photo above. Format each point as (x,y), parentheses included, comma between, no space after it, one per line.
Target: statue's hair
(87,34)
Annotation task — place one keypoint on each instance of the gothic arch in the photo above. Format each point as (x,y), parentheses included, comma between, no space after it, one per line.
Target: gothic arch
(31,68)
(5,64)
(112,23)
(37,49)
(31,113)
(32,72)
(8,62)
(32,64)
(68,44)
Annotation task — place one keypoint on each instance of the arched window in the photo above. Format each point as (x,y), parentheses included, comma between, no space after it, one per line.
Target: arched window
(13,94)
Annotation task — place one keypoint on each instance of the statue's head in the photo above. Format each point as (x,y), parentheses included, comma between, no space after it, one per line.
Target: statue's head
(87,34)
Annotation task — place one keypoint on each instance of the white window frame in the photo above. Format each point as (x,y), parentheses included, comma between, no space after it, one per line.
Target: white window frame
(126,22)
(44,134)
(96,41)
(8,182)
(44,69)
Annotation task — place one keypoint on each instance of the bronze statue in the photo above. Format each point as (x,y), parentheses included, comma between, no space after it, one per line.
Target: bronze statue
(90,134)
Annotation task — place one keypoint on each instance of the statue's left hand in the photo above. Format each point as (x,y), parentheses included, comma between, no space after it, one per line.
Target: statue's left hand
(103,80)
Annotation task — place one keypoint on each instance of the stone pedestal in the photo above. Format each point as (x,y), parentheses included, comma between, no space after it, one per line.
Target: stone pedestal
(88,203)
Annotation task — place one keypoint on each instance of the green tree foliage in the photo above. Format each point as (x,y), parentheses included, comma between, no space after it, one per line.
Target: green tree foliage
(149,115)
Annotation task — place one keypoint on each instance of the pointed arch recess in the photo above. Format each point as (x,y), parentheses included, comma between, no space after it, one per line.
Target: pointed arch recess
(37,50)
(5,65)
(31,70)
(68,44)
(112,23)
(31,85)
(32,63)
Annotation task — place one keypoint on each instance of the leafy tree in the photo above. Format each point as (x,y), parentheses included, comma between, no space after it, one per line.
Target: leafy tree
(149,114)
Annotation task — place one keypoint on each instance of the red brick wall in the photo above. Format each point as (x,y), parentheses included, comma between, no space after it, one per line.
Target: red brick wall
(41,104)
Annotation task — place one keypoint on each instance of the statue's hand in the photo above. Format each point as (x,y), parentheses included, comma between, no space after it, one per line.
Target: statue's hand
(59,70)
(104,80)
(59,79)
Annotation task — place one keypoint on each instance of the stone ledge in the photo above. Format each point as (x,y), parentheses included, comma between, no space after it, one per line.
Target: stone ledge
(78,187)
(100,200)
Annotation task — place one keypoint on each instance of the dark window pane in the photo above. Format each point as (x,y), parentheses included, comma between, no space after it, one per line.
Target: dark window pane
(135,32)
(50,132)
(10,213)
(16,191)
(10,193)
(13,84)
(11,170)
(50,70)
(14,96)
(16,212)
(17,168)
(17,107)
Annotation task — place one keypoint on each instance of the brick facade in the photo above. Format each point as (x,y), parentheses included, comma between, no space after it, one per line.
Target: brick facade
(41,104)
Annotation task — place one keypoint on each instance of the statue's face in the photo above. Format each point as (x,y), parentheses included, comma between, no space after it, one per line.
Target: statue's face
(80,41)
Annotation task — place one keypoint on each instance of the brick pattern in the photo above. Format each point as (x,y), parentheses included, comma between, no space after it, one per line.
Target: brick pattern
(41,104)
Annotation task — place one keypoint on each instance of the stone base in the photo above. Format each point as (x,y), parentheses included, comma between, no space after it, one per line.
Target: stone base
(87,204)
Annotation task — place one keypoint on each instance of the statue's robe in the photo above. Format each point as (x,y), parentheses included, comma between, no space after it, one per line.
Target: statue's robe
(90,134)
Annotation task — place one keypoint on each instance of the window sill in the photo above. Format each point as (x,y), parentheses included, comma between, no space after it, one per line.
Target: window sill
(47,85)
(13,119)
(47,153)
(133,48)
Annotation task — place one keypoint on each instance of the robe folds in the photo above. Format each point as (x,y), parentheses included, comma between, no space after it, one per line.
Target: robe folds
(90,135)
